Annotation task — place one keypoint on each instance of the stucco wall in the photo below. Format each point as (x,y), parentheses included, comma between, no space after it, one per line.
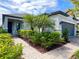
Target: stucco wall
(26,26)
(0,19)
(60,18)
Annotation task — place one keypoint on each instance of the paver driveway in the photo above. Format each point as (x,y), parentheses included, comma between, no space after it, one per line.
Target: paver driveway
(63,52)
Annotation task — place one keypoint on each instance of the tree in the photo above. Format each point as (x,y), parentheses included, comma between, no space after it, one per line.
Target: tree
(29,19)
(43,21)
(39,21)
(76,8)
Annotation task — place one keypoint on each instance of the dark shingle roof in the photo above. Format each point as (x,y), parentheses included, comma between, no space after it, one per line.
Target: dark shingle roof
(59,12)
(15,16)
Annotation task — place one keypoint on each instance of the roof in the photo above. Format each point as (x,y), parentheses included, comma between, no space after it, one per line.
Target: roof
(21,15)
(12,15)
(59,12)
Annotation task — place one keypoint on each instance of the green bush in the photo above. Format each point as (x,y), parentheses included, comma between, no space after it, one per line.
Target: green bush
(65,35)
(46,39)
(62,40)
(76,54)
(8,50)
(5,36)
(35,38)
(2,30)
(55,37)
(45,42)
(24,33)
(6,39)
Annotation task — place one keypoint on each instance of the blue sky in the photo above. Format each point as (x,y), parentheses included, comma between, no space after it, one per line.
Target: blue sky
(33,6)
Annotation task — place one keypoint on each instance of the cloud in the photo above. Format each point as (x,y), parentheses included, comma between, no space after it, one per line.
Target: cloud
(40,5)
(18,1)
(4,11)
(28,6)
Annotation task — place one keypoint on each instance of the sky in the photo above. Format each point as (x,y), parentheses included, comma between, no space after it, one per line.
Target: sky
(33,6)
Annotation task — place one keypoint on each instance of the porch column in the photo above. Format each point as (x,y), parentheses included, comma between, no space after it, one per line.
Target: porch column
(75,30)
(5,25)
(57,25)
(14,29)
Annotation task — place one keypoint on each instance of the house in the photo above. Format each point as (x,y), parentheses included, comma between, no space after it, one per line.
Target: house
(64,21)
(12,23)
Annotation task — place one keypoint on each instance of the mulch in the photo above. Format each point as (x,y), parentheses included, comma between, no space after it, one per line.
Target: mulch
(41,49)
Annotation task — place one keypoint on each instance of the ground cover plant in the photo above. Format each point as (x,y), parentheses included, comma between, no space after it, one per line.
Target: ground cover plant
(8,50)
(75,55)
(2,30)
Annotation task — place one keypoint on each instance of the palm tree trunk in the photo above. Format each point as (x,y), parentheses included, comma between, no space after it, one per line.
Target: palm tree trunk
(32,28)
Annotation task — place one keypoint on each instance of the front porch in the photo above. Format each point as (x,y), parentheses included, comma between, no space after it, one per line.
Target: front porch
(12,24)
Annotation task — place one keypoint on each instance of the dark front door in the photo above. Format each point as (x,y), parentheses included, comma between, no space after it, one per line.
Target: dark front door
(10,27)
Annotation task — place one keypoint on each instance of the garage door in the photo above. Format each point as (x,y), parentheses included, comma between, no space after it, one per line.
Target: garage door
(68,26)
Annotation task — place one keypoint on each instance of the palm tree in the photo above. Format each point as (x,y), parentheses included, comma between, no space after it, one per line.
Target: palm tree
(29,19)
(43,21)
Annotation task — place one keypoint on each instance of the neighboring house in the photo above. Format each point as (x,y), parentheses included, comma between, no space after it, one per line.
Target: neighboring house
(12,23)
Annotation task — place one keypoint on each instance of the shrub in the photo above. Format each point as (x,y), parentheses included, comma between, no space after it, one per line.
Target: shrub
(35,38)
(6,39)
(24,33)
(45,42)
(62,40)
(46,39)
(5,36)
(55,37)
(65,35)
(8,50)
(2,30)
(76,54)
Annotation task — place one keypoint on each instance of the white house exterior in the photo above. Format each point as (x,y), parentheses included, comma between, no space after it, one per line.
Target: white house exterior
(13,22)
(63,21)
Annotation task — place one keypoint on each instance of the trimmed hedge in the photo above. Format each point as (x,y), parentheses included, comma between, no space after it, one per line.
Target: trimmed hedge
(24,33)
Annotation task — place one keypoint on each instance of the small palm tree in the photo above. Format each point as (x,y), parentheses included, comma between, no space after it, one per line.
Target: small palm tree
(43,21)
(29,19)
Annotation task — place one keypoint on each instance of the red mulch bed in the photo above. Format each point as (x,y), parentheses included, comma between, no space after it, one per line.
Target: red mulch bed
(41,49)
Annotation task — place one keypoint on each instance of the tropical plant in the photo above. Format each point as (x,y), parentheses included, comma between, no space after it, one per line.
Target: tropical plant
(35,38)
(42,22)
(76,8)
(46,39)
(30,20)
(55,37)
(65,35)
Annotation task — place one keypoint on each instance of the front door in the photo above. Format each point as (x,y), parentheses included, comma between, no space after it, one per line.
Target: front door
(10,27)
